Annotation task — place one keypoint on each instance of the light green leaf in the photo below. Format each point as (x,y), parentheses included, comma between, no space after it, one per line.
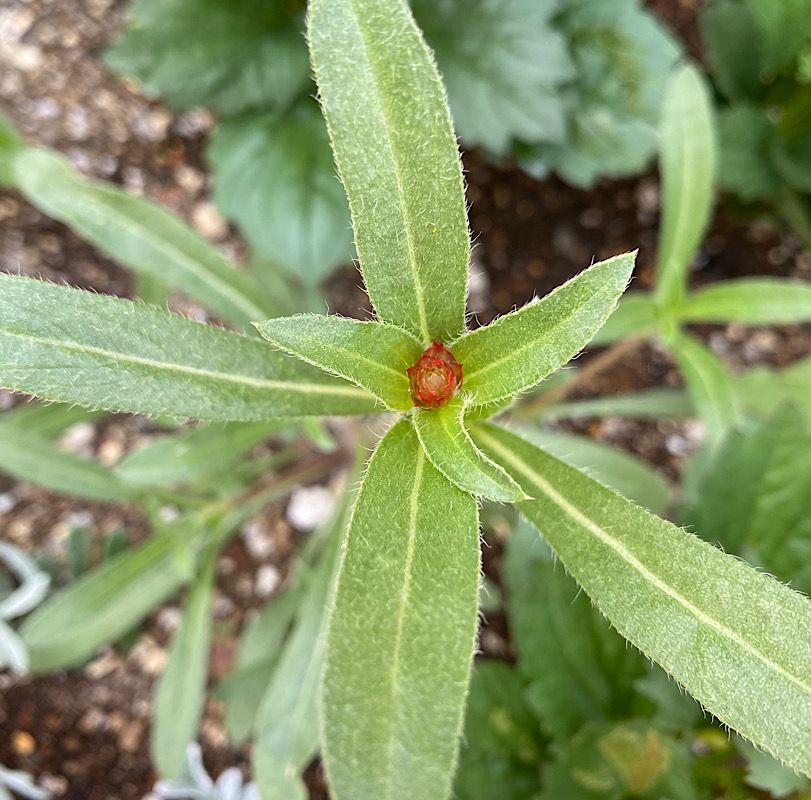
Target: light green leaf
(11,145)
(105,604)
(180,693)
(275,177)
(635,315)
(626,474)
(520,349)
(140,235)
(753,301)
(287,720)
(708,384)
(408,587)
(763,390)
(373,355)
(687,166)
(31,457)
(504,65)
(229,56)
(449,448)
(735,638)
(192,454)
(650,403)
(48,419)
(766,773)
(13,655)
(393,141)
(73,346)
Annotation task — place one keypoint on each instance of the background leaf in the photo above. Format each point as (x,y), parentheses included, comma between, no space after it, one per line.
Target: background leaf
(635,313)
(397,159)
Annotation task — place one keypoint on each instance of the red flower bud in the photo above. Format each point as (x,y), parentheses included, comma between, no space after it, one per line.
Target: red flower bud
(435,377)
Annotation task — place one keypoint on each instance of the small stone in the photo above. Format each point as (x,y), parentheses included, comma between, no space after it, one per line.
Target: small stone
(23,743)
(149,656)
(152,125)
(208,221)
(257,540)
(79,438)
(309,506)
(267,580)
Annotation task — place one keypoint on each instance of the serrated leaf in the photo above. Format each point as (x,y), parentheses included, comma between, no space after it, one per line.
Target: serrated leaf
(520,349)
(635,315)
(396,153)
(687,167)
(105,604)
(450,449)
(373,355)
(408,586)
(623,472)
(751,301)
(228,56)
(140,235)
(180,693)
(504,65)
(74,346)
(275,177)
(31,457)
(708,384)
(735,638)
(192,454)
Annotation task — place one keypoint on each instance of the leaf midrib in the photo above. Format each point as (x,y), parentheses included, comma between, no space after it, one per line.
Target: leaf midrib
(626,555)
(244,380)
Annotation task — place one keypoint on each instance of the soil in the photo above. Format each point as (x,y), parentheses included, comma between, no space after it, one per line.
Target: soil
(84,733)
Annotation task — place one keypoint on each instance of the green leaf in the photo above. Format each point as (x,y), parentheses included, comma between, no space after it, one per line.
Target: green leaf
(578,668)
(763,390)
(107,603)
(373,355)
(275,177)
(735,638)
(74,346)
(635,315)
(753,301)
(228,56)
(449,448)
(650,403)
(48,419)
(519,350)
(408,587)
(287,720)
(31,457)
(626,474)
(784,29)
(708,384)
(181,690)
(687,166)
(504,66)
(192,455)
(764,772)
(11,145)
(140,235)
(391,133)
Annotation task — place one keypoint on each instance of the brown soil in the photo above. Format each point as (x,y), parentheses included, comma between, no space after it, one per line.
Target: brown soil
(85,732)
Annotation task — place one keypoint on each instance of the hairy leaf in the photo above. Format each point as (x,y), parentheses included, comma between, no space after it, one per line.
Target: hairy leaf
(228,56)
(504,66)
(397,156)
(73,346)
(373,355)
(26,454)
(635,315)
(180,692)
(140,235)
(687,165)
(735,638)
(754,301)
(449,448)
(408,587)
(520,349)
(275,177)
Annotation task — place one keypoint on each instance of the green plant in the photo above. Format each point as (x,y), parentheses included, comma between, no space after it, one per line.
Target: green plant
(571,86)
(403,617)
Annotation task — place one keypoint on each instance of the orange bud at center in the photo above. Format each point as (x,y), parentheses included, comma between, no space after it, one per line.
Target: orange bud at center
(435,377)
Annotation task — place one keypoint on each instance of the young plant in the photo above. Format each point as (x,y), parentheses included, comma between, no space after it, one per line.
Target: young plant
(403,621)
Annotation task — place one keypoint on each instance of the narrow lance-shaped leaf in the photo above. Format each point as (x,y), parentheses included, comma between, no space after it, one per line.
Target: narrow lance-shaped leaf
(73,346)
(708,384)
(752,301)
(449,448)
(180,692)
(520,349)
(407,588)
(373,355)
(397,156)
(735,638)
(635,315)
(687,165)
(140,235)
